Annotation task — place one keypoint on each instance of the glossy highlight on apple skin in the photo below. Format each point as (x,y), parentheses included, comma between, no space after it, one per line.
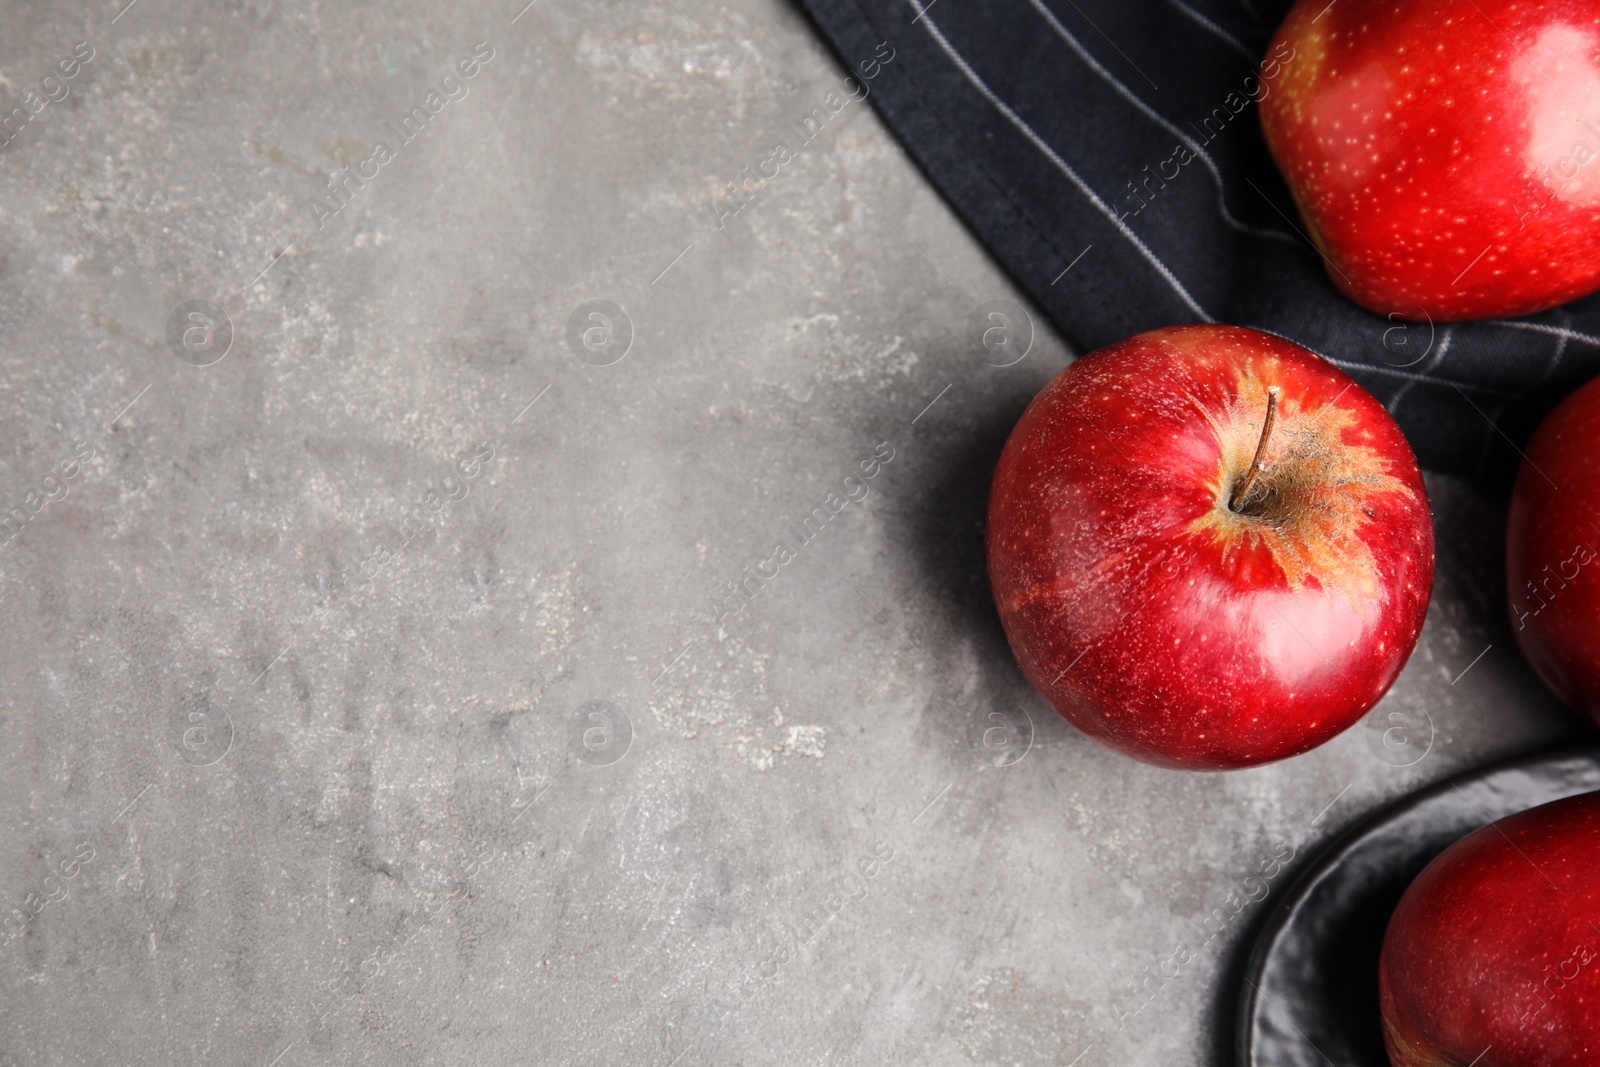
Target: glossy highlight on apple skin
(1493,955)
(1553,551)
(1156,618)
(1445,154)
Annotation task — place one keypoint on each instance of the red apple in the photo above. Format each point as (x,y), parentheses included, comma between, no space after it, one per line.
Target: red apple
(1551,542)
(1493,956)
(1445,154)
(1209,547)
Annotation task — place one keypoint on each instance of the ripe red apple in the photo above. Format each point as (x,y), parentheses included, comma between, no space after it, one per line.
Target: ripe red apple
(1493,956)
(1445,154)
(1209,548)
(1551,541)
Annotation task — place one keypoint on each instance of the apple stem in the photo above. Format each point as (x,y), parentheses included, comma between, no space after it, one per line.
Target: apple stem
(1242,490)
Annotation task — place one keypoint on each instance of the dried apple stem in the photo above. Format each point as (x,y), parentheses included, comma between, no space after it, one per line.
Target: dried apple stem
(1242,490)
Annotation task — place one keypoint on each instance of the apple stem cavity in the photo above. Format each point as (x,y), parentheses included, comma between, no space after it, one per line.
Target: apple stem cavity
(1241,492)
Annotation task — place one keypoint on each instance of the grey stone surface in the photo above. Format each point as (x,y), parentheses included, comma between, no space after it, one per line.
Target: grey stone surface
(303,760)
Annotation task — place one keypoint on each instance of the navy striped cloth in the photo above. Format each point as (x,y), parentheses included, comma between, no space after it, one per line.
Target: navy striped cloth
(1121,139)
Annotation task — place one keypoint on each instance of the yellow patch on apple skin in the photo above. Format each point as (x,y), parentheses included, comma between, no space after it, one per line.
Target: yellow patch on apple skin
(1410,1055)
(1301,73)
(1311,497)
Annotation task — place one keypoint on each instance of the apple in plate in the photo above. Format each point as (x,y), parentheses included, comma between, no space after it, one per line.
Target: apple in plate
(1492,957)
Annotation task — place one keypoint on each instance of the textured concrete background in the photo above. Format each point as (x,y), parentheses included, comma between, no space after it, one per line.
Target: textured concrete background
(297,701)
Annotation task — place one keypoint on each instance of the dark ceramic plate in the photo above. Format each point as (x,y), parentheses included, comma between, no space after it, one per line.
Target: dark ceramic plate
(1310,995)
